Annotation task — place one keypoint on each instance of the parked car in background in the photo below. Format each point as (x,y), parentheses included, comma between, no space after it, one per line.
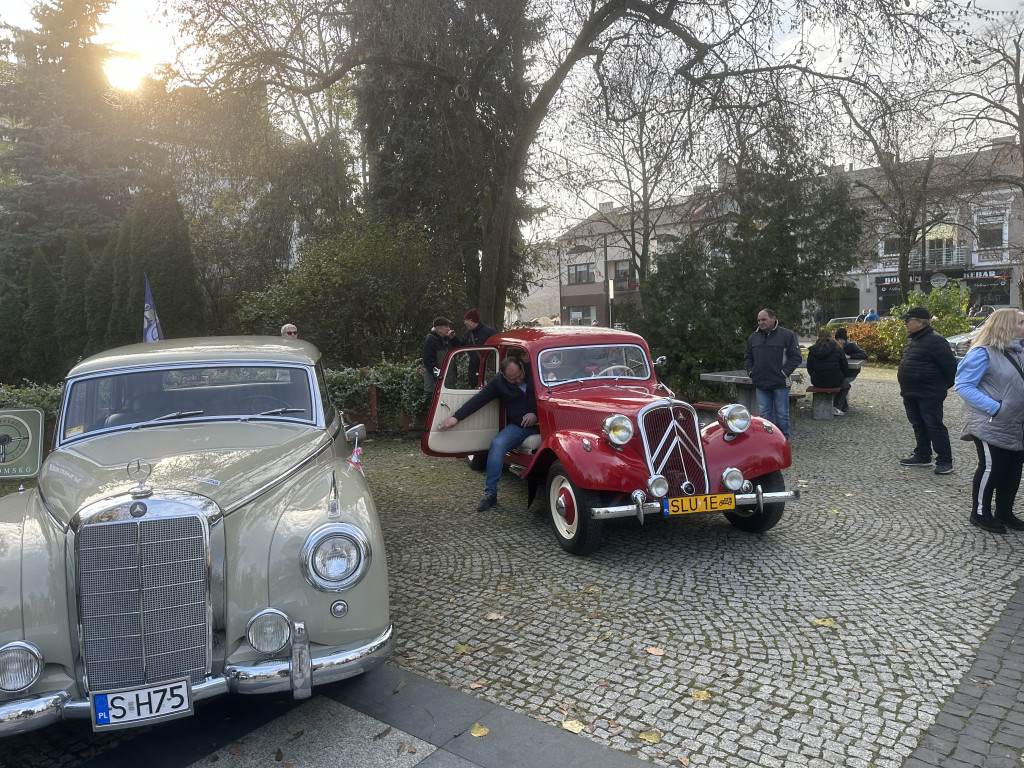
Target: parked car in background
(842,321)
(613,442)
(199,528)
(961,342)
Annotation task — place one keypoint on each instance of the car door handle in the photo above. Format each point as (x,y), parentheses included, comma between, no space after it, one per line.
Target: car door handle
(442,402)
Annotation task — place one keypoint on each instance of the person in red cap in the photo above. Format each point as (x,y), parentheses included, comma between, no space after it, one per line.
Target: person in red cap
(476,336)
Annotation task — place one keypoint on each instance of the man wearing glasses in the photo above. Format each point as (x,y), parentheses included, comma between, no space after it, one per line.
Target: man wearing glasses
(289,331)
(514,388)
(926,373)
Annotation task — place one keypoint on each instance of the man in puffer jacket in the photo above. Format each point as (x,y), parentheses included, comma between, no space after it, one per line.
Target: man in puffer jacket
(926,373)
(771,356)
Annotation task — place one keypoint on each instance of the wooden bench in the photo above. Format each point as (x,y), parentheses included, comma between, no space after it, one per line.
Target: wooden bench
(707,405)
(821,402)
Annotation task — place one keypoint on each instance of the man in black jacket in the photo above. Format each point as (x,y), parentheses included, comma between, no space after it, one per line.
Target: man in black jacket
(477,335)
(513,387)
(771,356)
(926,372)
(436,346)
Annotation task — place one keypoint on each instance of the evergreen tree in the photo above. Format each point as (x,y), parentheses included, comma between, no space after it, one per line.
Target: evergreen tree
(119,325)
(12,340)
(161,250)
(68,149)
(99,296)
(72,331)
(42,361)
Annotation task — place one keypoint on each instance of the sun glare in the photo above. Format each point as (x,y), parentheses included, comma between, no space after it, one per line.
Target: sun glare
(125,71)
(141,43)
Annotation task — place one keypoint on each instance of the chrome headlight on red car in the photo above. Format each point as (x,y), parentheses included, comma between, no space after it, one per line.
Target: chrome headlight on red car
(618,429)
(734,419)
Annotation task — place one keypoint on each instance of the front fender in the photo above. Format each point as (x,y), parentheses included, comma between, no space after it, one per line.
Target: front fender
(755,452)
(602,466)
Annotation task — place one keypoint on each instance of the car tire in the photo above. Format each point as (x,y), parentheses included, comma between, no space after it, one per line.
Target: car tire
(477,461)
(569,513)
(753,521)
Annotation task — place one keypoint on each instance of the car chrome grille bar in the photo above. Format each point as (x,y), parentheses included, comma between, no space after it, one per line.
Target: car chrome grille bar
(143,598)
(671,436)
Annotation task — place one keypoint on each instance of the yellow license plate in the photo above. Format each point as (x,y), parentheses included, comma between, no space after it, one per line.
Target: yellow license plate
(712,502)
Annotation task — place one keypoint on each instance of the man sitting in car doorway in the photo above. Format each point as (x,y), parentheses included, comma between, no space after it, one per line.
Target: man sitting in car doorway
(514,388)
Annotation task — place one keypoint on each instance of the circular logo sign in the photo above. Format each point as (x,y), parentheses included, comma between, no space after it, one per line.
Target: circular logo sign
(137,509)
(939,280)
(15,438)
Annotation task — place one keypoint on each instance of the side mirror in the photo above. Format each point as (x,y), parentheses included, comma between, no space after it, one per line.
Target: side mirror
(355,433)
(661,360)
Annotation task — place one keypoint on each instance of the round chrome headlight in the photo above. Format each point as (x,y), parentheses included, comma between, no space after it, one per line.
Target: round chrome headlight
(657,486)
(21,664)
(269,631)
(618,429)
(734,418)
(335,557)
(732,479)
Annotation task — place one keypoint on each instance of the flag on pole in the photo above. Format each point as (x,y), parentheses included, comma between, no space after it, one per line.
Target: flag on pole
(151,330)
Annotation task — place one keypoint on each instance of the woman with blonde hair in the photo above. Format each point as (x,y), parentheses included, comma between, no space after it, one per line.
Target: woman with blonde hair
(990,381)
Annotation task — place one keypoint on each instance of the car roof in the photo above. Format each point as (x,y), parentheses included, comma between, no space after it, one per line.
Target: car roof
(551,336)
(210,349)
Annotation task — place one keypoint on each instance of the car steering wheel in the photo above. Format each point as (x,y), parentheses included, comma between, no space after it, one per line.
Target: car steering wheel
(616,370)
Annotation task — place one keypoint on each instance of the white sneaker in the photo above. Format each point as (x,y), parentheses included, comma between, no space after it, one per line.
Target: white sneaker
(837,412)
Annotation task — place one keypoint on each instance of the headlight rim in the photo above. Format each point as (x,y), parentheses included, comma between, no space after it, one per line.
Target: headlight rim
(317,537)
(269,612)
(735,418)
(34,653)
(607,427)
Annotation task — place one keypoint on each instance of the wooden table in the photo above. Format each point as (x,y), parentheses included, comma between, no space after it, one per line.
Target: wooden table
(746,393)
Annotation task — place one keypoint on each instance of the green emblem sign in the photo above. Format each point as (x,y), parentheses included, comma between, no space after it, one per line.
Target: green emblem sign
(21,442)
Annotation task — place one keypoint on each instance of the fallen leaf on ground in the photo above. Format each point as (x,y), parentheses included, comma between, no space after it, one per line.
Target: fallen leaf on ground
(412,750)
(382,734)
(279,755)
(479,684)
(235,751)
(592,615)
(297,736)
(603,683)
(492,616)
(589,591)
(684,760)
(461,648)
(479,730)
(613,723)
(574,726)
(651,737)
(656,651)
(544,718)
(700,695)
(400,686)
(401,748)
(825,622)
(833,511)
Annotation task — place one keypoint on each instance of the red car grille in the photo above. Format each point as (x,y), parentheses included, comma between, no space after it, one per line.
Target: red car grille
(672,445)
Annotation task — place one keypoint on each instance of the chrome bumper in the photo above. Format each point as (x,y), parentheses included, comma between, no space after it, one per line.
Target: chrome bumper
(297,674)
(757,499)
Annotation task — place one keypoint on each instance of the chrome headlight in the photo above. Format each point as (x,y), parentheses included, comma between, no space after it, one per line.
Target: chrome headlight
(335,557)
(268,631)
(21,664)
(734,419)
(657,486)
(732,479)
(618,429)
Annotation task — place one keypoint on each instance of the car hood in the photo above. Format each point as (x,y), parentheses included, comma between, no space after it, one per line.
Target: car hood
(223,461)
(603,399)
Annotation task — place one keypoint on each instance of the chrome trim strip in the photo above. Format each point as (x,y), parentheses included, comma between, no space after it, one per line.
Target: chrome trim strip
(302,664)
(742,500)
(261,677)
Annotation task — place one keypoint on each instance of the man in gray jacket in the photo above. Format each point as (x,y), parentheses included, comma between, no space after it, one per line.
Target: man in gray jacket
(771,356)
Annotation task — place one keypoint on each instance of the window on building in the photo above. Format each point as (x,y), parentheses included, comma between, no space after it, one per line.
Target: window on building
(581,273)
(583,315)
(625,276)
(990,230)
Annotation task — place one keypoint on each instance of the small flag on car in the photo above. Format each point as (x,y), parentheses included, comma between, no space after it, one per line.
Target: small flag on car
(151,330)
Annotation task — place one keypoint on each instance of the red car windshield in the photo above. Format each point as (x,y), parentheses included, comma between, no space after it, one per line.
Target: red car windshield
(610,361)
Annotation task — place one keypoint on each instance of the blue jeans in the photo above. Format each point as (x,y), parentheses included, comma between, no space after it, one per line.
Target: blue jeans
(510,437)
(925,416)
(774,406)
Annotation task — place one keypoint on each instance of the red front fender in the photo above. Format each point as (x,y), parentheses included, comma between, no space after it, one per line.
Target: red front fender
(601,467)
(756,452)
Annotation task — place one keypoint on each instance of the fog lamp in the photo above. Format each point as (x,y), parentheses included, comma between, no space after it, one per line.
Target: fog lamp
(269,631)
(657,486)
(732,479)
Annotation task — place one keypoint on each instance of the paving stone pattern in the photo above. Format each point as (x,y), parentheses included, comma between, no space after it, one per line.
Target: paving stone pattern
(843,637)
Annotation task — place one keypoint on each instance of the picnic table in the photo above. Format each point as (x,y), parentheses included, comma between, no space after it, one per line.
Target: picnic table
(745,391)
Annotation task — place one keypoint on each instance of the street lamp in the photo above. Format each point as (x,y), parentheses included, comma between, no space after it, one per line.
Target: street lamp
(611,301)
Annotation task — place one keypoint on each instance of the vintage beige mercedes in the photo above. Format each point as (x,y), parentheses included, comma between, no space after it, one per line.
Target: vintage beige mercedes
(200,527)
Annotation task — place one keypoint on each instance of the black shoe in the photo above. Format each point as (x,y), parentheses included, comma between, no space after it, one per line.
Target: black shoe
(1011,521)
(486,503)
(988,523)
(915,461)
(943,467)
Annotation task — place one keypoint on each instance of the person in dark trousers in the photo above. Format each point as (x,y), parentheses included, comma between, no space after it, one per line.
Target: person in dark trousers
(771,356)
(852,352)
(514,388)
(827,367)
(436,346)
(990,380)
(477,335)
(926,373)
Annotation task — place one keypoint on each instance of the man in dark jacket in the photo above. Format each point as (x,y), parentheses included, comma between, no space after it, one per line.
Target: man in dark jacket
(477,335)
(515,390)
(436,345)
(771,356)
(926,372)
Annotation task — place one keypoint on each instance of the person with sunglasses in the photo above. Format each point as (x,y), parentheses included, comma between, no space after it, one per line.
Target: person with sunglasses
(514,388)
(289,331)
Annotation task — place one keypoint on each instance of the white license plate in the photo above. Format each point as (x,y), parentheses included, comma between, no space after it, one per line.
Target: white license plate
(137,706)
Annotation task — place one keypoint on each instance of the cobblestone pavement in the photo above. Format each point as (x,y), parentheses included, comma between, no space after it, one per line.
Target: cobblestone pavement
(835,639)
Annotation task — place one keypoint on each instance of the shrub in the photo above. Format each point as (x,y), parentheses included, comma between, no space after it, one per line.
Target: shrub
(947,306)
(868,336)
(32,395)
(399,388)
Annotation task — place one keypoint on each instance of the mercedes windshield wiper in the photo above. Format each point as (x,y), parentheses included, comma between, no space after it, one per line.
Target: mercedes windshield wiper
(169,417)
(279,411)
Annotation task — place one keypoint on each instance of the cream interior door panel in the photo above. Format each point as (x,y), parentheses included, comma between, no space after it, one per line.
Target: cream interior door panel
(472,435)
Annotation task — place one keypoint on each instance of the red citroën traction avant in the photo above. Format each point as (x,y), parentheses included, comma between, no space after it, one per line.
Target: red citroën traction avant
(613,441)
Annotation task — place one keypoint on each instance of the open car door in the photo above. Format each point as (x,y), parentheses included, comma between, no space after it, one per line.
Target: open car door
(466,370)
